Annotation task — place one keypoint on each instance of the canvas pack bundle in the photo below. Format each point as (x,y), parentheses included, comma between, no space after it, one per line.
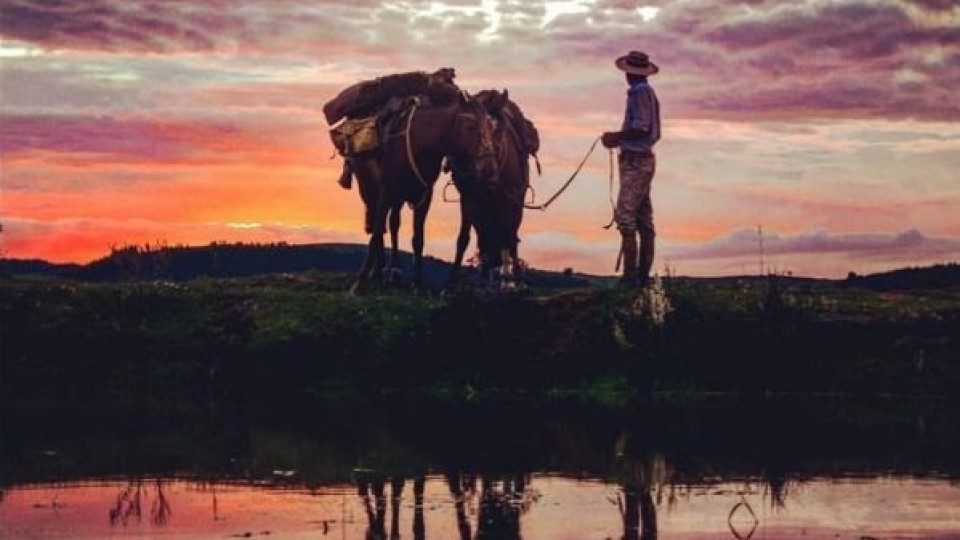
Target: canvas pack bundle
(367,97)
(356,136)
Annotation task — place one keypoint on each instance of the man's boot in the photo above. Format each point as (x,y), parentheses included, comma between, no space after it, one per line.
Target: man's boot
(646,259)
(346,177)
(628,248)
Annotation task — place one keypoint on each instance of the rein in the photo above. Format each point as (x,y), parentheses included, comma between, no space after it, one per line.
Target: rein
(569,180)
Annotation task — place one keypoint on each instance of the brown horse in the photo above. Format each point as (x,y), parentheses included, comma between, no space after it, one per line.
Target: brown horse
(408,165)
(495,209)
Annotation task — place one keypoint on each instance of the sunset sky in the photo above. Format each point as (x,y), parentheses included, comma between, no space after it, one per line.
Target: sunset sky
(834,125)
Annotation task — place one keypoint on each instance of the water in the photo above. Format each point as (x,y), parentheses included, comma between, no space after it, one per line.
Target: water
(809,467)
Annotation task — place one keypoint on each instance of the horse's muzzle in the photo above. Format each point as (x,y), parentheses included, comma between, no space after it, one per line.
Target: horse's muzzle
(488,173)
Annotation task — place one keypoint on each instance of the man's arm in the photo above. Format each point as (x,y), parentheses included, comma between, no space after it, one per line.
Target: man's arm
(639,126)
(612,139)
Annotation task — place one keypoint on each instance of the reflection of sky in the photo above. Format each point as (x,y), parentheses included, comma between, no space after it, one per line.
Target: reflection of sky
(823,122)
(562,509)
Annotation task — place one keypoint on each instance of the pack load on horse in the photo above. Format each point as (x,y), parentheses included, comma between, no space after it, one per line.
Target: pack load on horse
(397,156)
(495,210)
(365,107)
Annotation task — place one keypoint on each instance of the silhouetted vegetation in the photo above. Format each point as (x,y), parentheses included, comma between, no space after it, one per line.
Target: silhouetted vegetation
(220,260)
(301,334)
(939,276)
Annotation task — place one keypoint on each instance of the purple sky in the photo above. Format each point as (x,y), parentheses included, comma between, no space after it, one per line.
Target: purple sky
(833,125)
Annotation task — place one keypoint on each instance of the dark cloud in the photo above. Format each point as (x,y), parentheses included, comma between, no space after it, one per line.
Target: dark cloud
(250,26)
(731,60)
(744,243)
(112,25)
(934,5)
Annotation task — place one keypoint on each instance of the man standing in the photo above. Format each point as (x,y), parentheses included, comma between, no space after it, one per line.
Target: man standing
(640,131)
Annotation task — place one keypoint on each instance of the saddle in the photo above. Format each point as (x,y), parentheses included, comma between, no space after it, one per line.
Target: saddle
(371,110)
(524,128)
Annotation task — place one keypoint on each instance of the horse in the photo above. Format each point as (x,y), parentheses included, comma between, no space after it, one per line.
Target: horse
(495,209)
(408,165)
(365,169)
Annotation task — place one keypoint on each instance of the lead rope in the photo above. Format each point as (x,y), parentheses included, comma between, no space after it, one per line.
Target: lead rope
(567,184)
(613,211)
(613,206)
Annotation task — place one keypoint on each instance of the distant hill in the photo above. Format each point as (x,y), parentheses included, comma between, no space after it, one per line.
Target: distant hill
(931,277)
(222,260)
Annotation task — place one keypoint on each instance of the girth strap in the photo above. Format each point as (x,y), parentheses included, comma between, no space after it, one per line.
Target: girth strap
(410,157)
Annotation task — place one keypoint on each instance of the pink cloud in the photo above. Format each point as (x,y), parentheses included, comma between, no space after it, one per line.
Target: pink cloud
(98,140)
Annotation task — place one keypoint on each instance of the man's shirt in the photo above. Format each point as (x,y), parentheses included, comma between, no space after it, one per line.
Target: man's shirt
(643,113)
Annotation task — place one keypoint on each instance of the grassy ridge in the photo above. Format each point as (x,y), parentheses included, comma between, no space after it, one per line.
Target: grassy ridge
(283,336)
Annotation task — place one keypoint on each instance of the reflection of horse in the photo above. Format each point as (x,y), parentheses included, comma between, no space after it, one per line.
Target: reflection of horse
(408,165)
(376,509)
(639,513)
(495,210)
(502,500)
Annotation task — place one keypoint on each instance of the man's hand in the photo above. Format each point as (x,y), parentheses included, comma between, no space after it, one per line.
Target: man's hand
(610,139)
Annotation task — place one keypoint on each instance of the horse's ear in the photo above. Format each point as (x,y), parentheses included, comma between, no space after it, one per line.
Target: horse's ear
(506,94)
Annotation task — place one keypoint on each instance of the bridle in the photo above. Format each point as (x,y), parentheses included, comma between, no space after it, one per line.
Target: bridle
(487,147)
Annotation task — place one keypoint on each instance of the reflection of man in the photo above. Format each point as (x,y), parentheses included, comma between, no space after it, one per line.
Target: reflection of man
(640,131)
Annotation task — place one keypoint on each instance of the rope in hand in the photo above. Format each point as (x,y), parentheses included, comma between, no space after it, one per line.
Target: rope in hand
(567,184)
(613,211)
(613,205)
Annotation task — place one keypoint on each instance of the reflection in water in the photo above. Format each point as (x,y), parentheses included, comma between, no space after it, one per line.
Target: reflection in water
(501,504)
(508,472)
(498,505)
(640,471)
(128,504)
(512,507)
(751,527)
(456,482)
(639,513)
(419,527)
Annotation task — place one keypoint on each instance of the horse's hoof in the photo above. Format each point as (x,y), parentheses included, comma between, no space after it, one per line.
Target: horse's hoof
(395,276)
(358,288)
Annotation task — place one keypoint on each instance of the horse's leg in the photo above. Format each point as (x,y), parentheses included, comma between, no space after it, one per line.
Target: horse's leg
(506,268)
(419,219)
(374,256)
(488,255)
(463,240)
(396,274)
(518,267)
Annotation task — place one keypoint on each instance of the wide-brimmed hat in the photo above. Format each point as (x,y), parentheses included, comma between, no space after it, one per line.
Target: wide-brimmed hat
(637,63)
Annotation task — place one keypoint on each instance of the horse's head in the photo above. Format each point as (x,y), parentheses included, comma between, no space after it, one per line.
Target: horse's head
(473,150)
(494,101)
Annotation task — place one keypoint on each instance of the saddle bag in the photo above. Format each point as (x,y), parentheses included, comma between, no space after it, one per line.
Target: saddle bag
(530,136)
(354,137)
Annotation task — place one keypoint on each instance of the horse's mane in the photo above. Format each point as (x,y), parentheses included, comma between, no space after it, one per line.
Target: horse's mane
(505,110)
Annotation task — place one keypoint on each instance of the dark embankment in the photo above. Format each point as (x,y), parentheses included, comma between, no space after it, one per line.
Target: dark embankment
(284,337)
(312,443)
